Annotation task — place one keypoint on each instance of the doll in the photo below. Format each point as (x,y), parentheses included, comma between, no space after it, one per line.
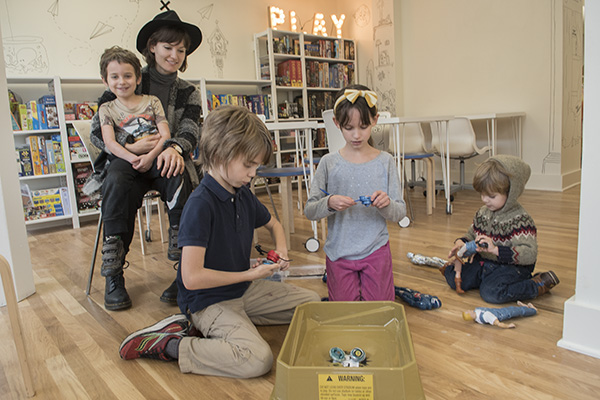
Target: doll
(495,316)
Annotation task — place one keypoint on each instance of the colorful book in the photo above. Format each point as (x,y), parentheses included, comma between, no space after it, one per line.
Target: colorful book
(59,159)
(43,154)
(36,161)
(25,161)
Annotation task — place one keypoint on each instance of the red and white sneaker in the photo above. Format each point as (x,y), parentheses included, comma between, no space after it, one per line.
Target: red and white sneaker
(151,342)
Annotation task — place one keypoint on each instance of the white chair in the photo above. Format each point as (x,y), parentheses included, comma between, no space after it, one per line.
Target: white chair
(462,145)
(83,128)
(335,140)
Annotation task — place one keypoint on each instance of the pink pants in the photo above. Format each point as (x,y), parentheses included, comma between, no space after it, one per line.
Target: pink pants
(369,279)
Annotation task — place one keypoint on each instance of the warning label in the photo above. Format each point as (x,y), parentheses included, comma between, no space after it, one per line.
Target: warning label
(345,387)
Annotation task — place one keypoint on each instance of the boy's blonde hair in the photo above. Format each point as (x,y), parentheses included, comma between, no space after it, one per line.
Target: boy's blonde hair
(491,177)
(230,132)
(122,56)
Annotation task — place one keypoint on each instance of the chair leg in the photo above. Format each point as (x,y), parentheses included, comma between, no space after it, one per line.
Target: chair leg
(162,221)
(271,198)
(407,198)
(142,240)
(94,254)
(15,323)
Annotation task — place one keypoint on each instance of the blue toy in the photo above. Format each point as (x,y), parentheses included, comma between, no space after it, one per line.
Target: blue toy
(416,299)
(470,248)
(365,200)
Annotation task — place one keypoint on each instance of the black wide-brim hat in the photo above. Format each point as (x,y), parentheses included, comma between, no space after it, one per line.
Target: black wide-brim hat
(169,18)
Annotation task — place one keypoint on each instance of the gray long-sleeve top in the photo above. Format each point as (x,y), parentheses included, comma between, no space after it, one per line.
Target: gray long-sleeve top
(358,231)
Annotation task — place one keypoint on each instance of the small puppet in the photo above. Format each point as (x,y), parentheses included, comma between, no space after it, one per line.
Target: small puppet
(495,316)
(466,252)
(417,299)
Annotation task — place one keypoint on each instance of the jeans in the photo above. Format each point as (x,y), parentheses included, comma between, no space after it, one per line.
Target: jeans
(497,283)
(123,191)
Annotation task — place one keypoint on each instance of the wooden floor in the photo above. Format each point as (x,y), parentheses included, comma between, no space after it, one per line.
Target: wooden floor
(73,342)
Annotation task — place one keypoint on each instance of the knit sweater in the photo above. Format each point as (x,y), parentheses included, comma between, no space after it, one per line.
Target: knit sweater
(511,228)
(183,114)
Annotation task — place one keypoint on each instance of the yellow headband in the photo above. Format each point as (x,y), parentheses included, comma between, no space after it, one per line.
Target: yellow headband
(352,94)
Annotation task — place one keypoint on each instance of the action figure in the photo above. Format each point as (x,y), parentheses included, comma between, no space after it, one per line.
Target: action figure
(495,316)
(420,259)
(464,254)
(416,299)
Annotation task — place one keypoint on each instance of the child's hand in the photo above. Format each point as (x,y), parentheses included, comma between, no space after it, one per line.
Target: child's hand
(143,164)
(261,271)
(457,245)
(491,247)
(339,202)
(380,199)
(283,257)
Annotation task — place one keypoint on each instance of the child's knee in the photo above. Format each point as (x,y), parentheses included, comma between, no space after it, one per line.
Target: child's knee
(259,362)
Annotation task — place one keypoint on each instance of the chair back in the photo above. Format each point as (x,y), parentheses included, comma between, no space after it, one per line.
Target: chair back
(461,136)
(84,130)
(335,139)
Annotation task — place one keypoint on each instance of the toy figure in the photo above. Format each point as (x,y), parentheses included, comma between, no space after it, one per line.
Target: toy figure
(416,299)
(355,358)
(464,254)
(420,259)
(365,200)
(495,316)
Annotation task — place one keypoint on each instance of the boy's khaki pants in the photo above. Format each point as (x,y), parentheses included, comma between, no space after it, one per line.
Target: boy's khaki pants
(231,345)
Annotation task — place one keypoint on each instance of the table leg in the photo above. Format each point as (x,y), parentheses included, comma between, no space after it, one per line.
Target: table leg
(287,218)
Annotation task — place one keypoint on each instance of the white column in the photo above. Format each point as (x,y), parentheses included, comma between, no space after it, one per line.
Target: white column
(582,311)
(13,236)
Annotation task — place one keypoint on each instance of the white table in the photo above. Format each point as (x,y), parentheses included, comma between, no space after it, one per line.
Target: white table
(492,127)
(442,122)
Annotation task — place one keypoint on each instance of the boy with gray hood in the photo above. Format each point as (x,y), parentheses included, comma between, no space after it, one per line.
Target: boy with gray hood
(503,269)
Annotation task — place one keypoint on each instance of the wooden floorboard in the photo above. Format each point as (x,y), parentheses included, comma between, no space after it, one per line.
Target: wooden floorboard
(72,341)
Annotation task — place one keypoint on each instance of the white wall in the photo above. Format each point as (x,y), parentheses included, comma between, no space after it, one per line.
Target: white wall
(480,56)
(582,311)
(13,238)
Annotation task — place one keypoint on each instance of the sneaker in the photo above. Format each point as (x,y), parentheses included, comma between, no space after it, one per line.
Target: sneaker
(151,342)
(113,256)
(545,281)
(174,252)
(115,294)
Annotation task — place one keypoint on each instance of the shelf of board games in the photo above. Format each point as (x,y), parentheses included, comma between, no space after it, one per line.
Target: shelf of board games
(63,91)
(304,71)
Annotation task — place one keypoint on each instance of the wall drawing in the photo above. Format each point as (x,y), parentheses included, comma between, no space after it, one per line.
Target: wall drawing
(383,66)
(218,49)
(362,16)
(206,12)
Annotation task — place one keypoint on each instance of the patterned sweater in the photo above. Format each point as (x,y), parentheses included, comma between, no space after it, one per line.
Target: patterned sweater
(511,228)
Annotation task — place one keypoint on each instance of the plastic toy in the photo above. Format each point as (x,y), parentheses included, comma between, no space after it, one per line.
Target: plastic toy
(420,259)
(365,200)
(273,258)
(416,299)
(495,316)
(467,250)
(355,358)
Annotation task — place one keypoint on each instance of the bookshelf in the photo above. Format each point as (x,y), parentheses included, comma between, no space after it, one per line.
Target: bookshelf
(46,185)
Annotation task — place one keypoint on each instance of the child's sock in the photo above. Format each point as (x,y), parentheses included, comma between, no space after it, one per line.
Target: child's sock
(172,348)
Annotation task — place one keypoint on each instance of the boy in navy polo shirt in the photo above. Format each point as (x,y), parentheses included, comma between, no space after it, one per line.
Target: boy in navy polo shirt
(219,291)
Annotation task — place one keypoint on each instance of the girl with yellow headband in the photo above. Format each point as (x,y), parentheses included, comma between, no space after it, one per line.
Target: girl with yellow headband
(359,260)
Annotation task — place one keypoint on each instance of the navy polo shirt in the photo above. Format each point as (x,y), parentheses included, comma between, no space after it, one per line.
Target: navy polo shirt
(224,224)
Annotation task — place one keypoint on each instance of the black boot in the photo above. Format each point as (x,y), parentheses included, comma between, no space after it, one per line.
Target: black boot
(174,252)
(113,256)
(115,294)
(170,294)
